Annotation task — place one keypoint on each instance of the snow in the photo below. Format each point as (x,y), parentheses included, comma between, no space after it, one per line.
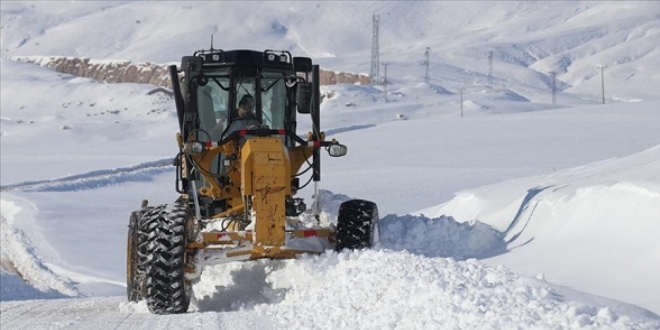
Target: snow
(614,201)
(519,213)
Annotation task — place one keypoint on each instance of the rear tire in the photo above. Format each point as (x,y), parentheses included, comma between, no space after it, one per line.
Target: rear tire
(135,252)
(357,225)
(167,290)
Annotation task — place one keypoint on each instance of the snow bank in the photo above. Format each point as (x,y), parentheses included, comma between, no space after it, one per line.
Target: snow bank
(439,237)
(21,265)
(388,290)
(604,215)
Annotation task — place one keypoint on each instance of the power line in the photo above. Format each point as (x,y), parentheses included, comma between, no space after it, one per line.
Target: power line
(461,89)
(490,68)
(553,74)
(602,81)
(375,65)
(385,81)
(426,63)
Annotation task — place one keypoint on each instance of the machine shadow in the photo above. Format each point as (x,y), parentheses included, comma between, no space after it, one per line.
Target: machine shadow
(249,287)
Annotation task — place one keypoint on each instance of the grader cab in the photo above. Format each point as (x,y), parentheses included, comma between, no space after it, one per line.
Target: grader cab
(238,175)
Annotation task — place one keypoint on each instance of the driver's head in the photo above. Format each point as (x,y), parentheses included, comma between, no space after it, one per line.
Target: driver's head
(246,106)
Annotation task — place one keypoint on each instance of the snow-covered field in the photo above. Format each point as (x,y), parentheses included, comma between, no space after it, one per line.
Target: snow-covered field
(519,214)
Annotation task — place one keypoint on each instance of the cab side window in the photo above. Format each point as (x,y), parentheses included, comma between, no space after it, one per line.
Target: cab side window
(273,101)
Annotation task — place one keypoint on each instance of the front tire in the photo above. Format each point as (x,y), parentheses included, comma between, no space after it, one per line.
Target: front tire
(167,289)
(357,225)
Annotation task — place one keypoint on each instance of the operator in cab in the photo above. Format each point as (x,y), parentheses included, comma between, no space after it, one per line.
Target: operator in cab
(245,118)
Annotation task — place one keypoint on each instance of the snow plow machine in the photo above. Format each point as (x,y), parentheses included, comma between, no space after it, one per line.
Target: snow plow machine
(237,180)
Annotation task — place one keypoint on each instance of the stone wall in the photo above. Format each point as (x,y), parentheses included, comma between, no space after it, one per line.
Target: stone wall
(333,78)
(149,73)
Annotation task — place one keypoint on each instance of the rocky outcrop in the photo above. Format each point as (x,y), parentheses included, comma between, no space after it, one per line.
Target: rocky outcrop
(333,78)
(106,71)
(149,73)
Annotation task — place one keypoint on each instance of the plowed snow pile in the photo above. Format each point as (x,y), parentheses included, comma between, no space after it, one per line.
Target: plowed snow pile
(387,290)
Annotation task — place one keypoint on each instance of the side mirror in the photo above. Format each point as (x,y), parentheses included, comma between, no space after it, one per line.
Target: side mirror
(337,150)
(302,64)
(304,97)
(191,66)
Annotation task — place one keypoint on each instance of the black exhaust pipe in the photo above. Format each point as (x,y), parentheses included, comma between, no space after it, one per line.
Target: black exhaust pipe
(178,97)
(316,122)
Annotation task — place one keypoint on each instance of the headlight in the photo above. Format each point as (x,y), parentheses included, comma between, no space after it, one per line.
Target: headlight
(193,147)
(337,150)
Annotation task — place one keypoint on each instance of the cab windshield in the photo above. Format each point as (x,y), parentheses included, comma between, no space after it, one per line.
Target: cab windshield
(213,101)
(216,112)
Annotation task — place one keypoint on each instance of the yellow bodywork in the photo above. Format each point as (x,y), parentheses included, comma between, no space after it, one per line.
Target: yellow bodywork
(266,180)
(260,177)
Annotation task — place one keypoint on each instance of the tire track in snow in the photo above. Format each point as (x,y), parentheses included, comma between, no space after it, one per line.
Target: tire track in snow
(338,130)
(95,179)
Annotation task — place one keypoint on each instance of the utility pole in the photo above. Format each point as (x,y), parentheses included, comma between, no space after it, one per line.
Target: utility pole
(426,63)
(553,74)
(460,89)
(385,81)
(602,81)
(490,68)
(375,66)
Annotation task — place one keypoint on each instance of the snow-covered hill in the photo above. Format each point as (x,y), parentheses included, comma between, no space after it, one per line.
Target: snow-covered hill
(514,213)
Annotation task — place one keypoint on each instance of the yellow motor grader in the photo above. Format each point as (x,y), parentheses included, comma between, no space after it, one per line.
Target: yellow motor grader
(237,178)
